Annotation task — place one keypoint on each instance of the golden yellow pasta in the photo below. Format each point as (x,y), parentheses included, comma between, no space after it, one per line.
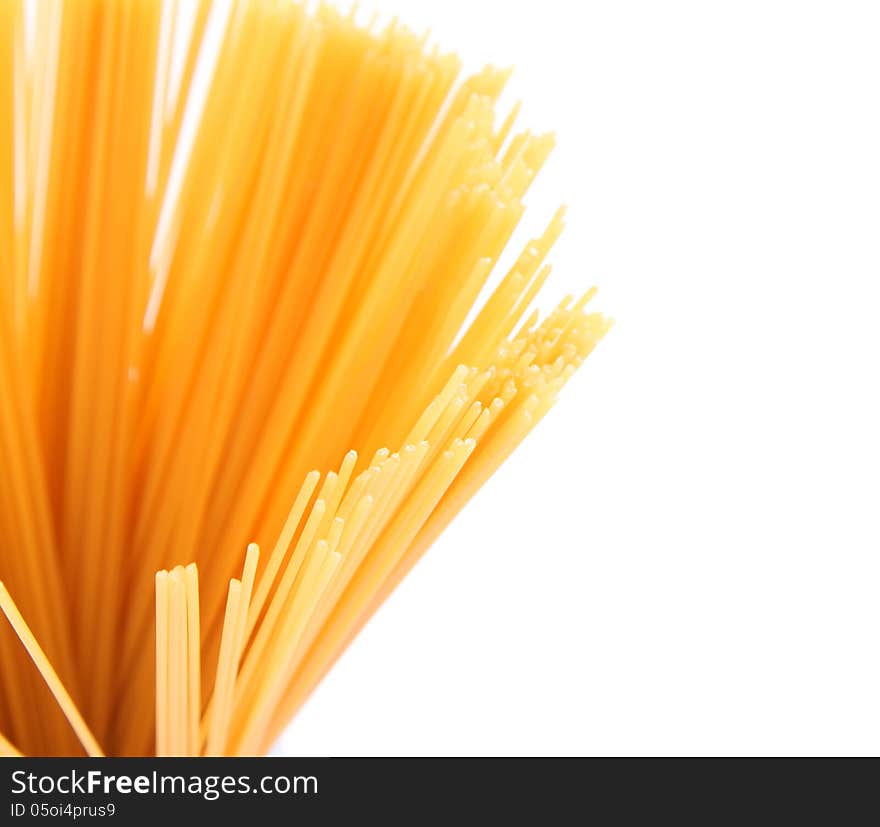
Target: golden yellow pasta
(241,240)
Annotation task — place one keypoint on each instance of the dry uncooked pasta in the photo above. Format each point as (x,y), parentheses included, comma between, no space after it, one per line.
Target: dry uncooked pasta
(241,240)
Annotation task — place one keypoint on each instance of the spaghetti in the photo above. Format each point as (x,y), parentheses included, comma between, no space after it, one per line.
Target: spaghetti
(239,238)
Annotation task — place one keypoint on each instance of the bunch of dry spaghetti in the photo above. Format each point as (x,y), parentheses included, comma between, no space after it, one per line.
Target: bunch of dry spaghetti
(238,239)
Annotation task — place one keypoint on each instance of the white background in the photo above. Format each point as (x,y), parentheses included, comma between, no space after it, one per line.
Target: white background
(683,559)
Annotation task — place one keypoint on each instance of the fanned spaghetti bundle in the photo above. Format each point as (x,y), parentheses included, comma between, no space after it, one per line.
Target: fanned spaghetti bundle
(239,239)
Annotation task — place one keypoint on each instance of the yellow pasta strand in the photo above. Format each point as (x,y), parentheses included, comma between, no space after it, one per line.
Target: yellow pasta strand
(7,750)
(49,675)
